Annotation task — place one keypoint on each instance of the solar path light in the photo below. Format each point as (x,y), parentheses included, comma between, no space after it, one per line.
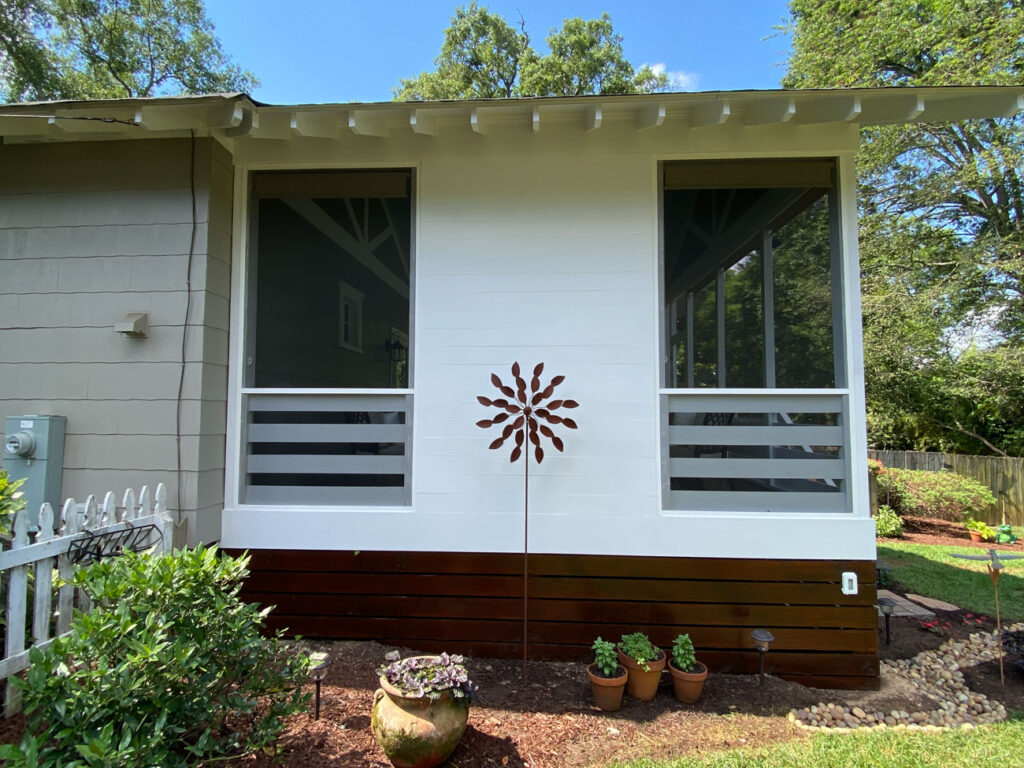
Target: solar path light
(318,664)
(887,606)
(762,639)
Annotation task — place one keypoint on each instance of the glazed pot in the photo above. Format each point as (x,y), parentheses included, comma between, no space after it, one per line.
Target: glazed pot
(416,732)
(607,690)
(688,686)
(642,684)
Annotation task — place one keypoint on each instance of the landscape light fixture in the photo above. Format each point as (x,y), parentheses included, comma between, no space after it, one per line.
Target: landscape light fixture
(318,664)
(762,639)
(887,606)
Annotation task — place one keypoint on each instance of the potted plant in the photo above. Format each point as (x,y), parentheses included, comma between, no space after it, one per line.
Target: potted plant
(643,663)
(688,674)
(978,531)
(607,676)
(421,708)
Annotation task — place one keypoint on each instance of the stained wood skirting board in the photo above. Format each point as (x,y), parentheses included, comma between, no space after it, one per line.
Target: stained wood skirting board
(471,603)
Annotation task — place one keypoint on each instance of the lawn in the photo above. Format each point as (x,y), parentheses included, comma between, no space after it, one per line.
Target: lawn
(996,746)
(931,571)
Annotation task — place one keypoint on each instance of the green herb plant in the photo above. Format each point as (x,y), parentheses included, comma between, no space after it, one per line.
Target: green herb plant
(684,658)
(605,658)
(639,648)
(976,525)
(170,668)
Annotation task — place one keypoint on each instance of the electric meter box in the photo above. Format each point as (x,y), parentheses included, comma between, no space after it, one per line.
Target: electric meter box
(34,449)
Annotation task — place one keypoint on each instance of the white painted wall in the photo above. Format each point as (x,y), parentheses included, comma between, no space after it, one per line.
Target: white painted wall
(536,247)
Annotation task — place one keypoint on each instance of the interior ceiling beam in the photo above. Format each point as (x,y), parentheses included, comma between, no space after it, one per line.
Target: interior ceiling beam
(772,204)
(360,251)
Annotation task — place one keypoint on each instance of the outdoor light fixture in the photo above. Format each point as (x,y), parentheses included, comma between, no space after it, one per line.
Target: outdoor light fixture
(887,606)
(318,664)
(762,639)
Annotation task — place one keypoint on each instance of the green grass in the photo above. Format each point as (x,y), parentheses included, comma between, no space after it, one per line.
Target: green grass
(930,571)
(996,746)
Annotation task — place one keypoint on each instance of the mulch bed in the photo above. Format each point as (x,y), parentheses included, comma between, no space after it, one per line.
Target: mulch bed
(925,530)
(550,721)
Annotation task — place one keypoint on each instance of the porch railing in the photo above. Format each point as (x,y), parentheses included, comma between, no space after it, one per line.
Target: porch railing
(755,451)
(328,448)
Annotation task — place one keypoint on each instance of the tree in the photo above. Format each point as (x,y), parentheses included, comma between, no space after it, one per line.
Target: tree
(484,57)
(942,209)
(64,49)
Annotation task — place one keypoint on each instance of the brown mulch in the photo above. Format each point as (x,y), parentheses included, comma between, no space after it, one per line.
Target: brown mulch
(925,530)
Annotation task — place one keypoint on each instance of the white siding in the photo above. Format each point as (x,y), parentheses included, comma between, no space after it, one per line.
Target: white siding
(89,232)
(539,248)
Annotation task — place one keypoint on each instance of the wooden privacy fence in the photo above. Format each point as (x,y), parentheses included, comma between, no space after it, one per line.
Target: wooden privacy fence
(86,532)
(1005,476)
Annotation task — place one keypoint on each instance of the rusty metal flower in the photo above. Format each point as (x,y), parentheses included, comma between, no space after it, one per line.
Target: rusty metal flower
(527,412)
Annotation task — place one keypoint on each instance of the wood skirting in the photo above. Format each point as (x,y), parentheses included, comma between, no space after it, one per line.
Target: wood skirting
(472,603)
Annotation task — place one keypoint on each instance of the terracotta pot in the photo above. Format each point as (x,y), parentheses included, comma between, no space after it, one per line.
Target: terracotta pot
(688,686)
(417,732)
(976,536)
(642,684)
(607,690)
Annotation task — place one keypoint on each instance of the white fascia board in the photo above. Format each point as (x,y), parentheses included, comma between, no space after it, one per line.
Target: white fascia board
(723,535)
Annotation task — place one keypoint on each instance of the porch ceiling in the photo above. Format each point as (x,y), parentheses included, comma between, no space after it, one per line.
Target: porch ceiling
(233,116)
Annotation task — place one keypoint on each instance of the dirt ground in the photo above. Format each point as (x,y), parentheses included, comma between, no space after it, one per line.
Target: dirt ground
(550,722)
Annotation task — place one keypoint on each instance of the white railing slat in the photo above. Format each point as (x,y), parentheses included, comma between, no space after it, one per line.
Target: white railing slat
(327,433)
(804,434)
(725,402)
(758,502)
(17,599)
(793,469)
(361,464)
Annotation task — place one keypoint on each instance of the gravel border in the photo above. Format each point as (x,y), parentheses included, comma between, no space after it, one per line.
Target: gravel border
(936,674)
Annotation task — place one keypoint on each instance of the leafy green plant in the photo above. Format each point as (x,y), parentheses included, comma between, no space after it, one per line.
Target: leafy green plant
(639,648)
(888,524)
(976,525)
(11,501)
(427,676)
(605,658)
(170,669)
(684,658)
(944,495)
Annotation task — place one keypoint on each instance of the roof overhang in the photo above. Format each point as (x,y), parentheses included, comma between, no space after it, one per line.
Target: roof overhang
(236,115)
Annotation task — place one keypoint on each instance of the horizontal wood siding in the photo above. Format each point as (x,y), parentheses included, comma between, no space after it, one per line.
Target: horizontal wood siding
(471,602)
(89,232)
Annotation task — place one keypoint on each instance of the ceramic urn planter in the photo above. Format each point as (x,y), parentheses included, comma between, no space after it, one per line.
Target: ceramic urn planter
(607,691)
(688,686)
(642,684)
(415,731)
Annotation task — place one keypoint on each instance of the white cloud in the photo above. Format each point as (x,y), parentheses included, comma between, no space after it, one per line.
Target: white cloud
(678,80)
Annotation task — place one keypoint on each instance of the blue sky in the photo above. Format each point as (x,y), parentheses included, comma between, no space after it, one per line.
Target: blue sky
(307,51)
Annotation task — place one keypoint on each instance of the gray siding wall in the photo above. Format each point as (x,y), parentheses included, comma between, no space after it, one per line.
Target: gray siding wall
(88,232)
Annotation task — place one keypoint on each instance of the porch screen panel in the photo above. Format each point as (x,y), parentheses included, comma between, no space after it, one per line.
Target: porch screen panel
(327,399)
(748,289)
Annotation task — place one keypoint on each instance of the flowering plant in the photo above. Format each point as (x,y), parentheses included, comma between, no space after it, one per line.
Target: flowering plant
(430,676)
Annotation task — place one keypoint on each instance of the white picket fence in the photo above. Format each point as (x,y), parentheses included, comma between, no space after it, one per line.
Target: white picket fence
(52,553)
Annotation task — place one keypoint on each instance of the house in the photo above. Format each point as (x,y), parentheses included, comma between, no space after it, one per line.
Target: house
(316,295)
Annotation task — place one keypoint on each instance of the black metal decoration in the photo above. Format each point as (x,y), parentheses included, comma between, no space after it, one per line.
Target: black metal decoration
(92,547)
(524,414)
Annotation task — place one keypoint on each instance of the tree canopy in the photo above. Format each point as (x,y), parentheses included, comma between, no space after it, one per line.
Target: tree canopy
(942,214)
(73,49)
(485,57)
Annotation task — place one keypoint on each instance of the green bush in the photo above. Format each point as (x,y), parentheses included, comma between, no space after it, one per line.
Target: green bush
(945,495)
(169,669)
(888,524)
(11,500)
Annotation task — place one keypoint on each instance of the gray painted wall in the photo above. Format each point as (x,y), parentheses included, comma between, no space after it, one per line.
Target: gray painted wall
(88,232)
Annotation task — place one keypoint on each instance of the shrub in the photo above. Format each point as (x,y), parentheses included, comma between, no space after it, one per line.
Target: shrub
(888,524)
(11,500)
(169,669)
(945,495)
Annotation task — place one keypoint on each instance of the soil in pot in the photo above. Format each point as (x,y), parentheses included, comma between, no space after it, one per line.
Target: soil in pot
(607,690)
(642,683)
(688,686)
